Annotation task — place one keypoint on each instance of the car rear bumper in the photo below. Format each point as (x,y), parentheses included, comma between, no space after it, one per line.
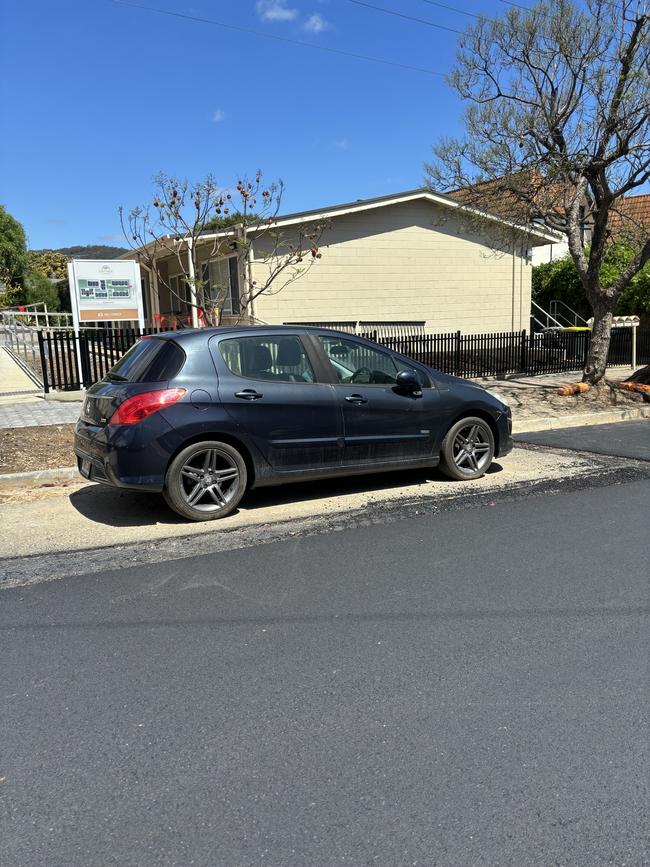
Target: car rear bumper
(134,457)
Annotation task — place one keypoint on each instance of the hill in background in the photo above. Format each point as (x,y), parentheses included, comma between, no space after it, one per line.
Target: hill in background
(89,251)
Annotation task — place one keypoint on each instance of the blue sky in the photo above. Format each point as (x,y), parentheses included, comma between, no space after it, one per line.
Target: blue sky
(98,97)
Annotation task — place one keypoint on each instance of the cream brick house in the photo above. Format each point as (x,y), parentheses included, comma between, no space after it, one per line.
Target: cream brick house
(416,257)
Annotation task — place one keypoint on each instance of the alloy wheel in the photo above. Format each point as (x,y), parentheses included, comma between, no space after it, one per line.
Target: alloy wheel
(471,448)
(209,480)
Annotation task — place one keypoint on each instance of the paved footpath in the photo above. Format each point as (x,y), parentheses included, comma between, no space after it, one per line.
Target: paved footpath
(14,382)
(39,412)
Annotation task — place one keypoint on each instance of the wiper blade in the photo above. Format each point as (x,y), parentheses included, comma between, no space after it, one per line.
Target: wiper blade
(115,377)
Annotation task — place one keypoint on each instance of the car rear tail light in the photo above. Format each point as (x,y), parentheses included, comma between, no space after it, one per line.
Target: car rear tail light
(135,408)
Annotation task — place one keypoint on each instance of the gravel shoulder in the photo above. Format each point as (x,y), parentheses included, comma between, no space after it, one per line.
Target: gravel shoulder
(101,525)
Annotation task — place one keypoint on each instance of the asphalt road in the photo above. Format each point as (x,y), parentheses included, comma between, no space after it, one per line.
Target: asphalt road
(455,689)
(630,439)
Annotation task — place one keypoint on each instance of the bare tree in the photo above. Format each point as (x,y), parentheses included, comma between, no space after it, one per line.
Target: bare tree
(196,223)
(557,133)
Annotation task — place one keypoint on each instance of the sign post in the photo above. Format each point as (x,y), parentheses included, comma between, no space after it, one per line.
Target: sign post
(105,291)
(102,291)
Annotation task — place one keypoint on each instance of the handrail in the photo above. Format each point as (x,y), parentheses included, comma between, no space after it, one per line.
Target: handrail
(573,320)
(39,318)
(547,315)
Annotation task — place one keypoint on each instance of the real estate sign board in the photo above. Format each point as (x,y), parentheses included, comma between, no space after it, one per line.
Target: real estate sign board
(106,290)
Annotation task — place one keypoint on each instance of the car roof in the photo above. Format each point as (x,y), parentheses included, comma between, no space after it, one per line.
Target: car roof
(189,334)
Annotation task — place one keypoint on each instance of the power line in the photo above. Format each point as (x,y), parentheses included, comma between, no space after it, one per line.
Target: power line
(455,9)
(495,21)
(407,17)
(277,38)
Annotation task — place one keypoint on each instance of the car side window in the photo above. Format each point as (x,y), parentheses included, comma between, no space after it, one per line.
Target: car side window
(278,358)
(357,363)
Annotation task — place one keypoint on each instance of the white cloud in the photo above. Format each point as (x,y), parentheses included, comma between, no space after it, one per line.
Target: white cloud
(315,24)
(219,115)
(341,144)
(275,10)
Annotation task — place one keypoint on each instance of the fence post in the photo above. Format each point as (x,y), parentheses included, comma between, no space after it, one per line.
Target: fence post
(41,349)
(84,360)
(457,355)
(523,358)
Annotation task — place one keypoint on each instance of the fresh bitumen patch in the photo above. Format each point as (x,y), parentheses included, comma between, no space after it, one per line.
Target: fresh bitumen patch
(45,567)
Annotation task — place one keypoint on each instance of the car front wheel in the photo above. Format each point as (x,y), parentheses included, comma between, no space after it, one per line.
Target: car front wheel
(467,449)
(206,481)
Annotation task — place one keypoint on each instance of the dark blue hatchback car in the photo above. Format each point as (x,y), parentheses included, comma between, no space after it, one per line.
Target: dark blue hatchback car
(201,416)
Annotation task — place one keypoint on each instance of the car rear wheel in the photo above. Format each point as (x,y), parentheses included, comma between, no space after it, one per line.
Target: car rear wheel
(467,449)
(206,481)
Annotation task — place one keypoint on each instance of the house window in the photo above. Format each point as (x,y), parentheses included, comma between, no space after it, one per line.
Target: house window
(224,284)
(178,291)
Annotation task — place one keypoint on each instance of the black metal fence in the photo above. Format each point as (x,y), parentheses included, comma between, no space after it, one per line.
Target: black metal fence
(70,361)
(474,355)
(500,354)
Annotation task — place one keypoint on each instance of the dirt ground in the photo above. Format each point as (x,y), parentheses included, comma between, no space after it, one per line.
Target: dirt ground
(36,448)
(529,399)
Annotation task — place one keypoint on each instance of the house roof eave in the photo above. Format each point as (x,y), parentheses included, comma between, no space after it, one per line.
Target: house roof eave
(537,236)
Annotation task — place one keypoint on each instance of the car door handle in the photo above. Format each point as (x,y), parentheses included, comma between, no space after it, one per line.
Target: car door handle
(248,394)
(356,399)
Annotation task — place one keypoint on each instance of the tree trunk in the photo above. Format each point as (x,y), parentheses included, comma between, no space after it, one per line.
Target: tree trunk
(599,344)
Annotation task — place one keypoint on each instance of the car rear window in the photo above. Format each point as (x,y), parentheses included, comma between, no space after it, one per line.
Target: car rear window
(150,360)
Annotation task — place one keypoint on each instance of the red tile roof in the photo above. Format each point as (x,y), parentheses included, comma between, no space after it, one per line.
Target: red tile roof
(634,211)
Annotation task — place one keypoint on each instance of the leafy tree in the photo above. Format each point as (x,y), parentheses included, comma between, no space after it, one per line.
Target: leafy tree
(11,296)
(40,289)
(635,298)
(560,280)
(556,131)
(63,292)
(181,212)
(26,273)
(49,263)
(226,222)
(13,250)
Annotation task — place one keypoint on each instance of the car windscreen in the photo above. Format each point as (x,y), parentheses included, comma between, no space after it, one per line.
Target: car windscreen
(150,360)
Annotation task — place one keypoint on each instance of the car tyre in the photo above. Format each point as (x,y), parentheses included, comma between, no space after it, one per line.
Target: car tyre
(467,449)
(206,481)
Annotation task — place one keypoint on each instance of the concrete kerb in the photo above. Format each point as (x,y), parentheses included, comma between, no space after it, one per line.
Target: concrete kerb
(525,425)
(40,478)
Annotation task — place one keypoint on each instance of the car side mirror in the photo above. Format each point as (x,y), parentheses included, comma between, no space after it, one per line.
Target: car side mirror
(407,380)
